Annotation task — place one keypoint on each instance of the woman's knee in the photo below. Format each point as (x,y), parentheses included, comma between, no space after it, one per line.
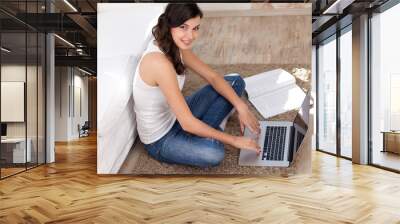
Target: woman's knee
(237,82)
(213,154)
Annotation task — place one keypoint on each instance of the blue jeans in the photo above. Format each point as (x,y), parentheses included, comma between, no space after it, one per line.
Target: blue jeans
(181,147)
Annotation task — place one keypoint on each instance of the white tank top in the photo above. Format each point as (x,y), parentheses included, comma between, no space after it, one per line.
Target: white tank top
(154,117)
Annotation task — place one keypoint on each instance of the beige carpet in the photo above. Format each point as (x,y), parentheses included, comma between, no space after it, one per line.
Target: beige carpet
(138,162)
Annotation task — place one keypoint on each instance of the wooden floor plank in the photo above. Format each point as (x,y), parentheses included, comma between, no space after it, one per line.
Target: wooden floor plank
(70,191)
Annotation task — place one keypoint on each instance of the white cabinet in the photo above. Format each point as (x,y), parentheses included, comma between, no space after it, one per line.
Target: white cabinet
(17,148)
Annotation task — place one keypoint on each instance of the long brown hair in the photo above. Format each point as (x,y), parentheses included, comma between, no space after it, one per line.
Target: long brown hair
(175,14)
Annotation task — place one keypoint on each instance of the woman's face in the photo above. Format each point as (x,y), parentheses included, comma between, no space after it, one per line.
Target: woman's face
(185,34)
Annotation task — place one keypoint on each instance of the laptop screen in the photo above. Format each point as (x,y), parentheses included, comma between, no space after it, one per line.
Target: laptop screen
(304,112)
(301,122)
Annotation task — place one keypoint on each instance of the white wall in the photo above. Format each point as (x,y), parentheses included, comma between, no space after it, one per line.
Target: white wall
(33,126)
(61,103)
(13,76)
(66,119)
(82,83)
(12,73)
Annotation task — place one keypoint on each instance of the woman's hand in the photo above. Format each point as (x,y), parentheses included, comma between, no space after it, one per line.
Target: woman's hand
(246,143)
(247,119)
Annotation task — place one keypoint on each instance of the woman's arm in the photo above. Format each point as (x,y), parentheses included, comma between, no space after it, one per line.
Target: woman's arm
(222,87)
(209,75)
(157,67)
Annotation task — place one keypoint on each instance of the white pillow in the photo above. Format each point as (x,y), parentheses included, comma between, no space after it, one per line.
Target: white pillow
(116,118)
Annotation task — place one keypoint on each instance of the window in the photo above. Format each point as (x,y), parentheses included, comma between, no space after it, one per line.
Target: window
(346,92)
(334,106)
(327,96)
(385,89)
(22,78)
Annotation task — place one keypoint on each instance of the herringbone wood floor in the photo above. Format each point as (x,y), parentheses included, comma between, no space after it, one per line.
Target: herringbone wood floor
(70,191)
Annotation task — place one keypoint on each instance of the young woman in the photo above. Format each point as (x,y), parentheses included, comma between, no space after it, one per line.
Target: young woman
(187,130)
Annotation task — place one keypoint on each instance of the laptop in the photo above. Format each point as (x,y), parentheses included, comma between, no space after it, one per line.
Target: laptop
(279,140)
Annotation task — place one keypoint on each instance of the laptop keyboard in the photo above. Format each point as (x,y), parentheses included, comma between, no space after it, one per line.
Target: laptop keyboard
(274,144)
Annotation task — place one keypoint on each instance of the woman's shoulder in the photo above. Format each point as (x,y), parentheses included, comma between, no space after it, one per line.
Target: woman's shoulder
(153,66)
(155,60)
